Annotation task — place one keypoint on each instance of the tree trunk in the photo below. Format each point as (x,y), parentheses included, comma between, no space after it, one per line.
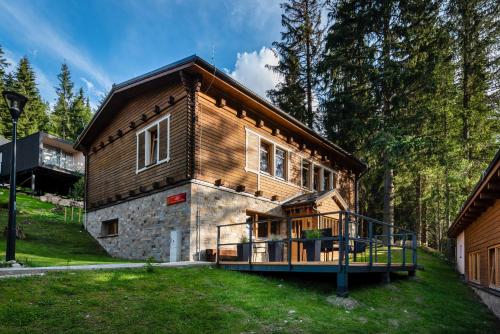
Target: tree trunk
(388,201)
(418,223)
(309,118)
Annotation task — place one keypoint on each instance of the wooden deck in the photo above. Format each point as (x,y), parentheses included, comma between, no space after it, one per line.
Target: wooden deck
(318,266)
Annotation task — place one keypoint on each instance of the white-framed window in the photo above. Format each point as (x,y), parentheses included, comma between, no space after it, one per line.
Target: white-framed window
(306,170)
(328,181)
(153,144)
(280,163)
(265,157)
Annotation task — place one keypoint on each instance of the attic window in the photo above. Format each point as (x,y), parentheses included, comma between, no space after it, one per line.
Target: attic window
(153,144)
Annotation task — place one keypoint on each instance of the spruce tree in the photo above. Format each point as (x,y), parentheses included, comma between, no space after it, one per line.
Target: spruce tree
(4,112)
(80,115)
(61,115)
(34,117)
(299,51)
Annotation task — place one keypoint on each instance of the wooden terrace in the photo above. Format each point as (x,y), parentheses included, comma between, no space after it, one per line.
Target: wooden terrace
(339,242)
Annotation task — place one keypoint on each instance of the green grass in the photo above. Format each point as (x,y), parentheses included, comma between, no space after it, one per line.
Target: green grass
(205,300)
(49,240)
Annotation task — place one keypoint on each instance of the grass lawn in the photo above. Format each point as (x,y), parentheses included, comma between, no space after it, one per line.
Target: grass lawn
(49,240)
(205,300)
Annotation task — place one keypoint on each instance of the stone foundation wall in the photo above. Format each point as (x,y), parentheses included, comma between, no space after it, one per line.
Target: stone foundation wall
(491,300)
(144,226)
(217,206)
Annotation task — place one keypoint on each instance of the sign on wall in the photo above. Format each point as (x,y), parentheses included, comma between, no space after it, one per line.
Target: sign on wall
(177,198)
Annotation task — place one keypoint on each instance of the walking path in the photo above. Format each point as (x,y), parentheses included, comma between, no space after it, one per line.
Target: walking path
(27,271)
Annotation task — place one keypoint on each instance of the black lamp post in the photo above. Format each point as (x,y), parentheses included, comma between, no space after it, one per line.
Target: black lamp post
(16,103)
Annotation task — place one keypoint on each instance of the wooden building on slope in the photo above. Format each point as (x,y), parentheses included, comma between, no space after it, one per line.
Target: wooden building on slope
(477,233)
(174,153)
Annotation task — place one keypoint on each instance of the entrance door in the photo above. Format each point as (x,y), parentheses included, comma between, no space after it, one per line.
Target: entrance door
(175,245)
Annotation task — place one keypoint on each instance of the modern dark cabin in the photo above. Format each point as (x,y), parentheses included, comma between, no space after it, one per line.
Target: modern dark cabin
(45,163)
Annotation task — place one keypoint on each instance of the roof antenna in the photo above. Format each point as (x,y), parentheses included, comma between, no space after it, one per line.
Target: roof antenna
(215,69)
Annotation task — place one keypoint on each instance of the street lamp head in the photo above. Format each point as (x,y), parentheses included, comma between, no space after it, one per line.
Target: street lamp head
(15,102)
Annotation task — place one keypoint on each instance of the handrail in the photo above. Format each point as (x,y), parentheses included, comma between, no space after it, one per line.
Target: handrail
(349,229)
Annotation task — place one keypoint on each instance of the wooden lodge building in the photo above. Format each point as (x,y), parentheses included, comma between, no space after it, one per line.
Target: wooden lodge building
(174,153)
(477,233)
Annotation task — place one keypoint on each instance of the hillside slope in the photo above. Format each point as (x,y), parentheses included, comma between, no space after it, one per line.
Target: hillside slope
(49,240)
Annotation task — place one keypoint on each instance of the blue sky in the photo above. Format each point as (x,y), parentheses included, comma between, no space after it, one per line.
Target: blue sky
(108,41)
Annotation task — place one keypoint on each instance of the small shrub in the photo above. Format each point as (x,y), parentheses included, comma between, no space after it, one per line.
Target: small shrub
(313,234)
(149,265)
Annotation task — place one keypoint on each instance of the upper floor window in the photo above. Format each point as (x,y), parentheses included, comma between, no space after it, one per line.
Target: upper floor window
(265,157)
(280,165)
(153,144)
(306,174)
(327,180)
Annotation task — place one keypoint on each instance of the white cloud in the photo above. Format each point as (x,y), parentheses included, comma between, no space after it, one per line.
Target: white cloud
(42,35)
(250,69)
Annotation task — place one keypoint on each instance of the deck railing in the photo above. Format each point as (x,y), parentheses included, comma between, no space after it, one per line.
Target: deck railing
(357,237)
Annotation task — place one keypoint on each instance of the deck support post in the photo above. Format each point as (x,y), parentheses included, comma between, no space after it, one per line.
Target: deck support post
(342,274)
(33,183)
(250,251)
(386,277)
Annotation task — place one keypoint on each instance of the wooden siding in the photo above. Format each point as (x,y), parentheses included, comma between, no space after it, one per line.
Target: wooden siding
(221,142)
(483,233)
(112,169)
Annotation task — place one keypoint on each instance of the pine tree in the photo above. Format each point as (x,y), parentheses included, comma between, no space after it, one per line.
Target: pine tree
(299,51)
(34,117)
(80,115)
(4,112)
(61,116)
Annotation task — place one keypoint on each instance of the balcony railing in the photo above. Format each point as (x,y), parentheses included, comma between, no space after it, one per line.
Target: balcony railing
(53,159)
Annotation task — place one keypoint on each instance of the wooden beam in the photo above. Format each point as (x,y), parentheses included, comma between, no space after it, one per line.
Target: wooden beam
(102,144)
(132,125)
(170,180)
(276,132)
(260,123)
(275,198)
(259,193)
(242,113)
(240,188)
(111,139)
(156,185)
(143,189)
(144,117)
(131,192)
(119,133)
(221,102)
(302,146)
(171,100)
(219,182)
(289,140)
(118,197)
(157,109)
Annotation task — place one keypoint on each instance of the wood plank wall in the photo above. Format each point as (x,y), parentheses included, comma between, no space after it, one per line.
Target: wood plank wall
(221,140)
(112,169)
(480,235)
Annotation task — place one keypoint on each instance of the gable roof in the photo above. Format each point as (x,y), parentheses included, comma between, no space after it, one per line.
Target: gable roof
(315,197)
(484,194)
(196,64)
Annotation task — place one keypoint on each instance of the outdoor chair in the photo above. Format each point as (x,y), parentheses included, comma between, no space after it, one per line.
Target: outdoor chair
(359,248)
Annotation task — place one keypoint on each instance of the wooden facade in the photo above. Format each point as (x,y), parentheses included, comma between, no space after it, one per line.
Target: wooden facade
(479,222)
(210,118)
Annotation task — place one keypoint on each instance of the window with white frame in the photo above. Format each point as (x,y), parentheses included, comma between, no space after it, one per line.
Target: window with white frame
(265,157)
(306,174)
(327,180)
(153,144)
(280,163)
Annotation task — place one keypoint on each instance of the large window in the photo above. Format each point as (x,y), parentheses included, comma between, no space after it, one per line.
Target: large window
(306,174)
(265,157)
(494,266)
(474,267)
(327,180)
(280,165)
(153,144)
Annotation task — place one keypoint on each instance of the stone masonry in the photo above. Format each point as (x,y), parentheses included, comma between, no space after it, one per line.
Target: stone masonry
(145,224)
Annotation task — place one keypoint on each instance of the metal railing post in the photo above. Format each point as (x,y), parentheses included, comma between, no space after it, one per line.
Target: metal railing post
(340,238)
(370,237)
(414,244)
(346,238)
(389,246)
(218,244)
(250,251)
(405,236)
